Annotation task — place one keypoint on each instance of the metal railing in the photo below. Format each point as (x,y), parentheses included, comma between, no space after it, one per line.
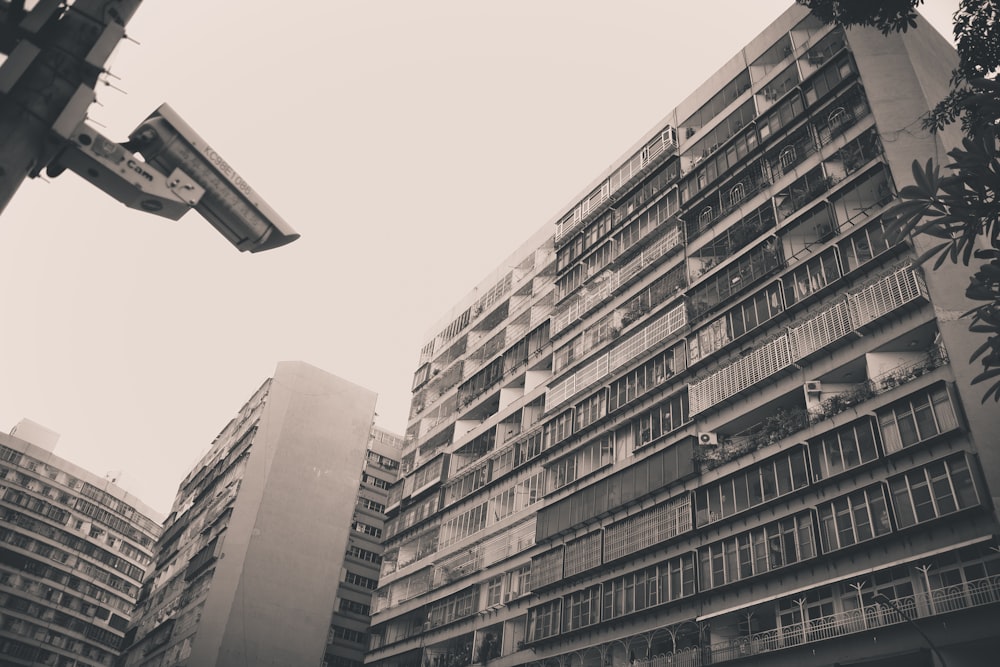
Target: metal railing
(968,595)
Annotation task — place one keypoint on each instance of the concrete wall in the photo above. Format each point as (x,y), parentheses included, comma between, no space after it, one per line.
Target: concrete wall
(273,592)
(905,75)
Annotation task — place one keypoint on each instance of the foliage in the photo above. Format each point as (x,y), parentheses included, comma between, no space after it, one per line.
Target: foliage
(887,15)
(962,208)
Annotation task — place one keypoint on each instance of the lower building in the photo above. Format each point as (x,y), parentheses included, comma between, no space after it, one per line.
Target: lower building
(248,565)
(74,551)
(348,639)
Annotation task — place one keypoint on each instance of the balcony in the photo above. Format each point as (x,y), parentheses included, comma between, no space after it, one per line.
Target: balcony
(600,199)
(786,422)
(967,595)
(881,297)
(644,339)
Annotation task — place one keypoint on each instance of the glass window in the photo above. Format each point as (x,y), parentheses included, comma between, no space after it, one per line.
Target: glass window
(857,517)
(843,449)
(940,488)
(916,419)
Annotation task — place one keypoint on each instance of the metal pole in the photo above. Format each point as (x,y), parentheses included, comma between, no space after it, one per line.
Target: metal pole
(57,51)
(883,598)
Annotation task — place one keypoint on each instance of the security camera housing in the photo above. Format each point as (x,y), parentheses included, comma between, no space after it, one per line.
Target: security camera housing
(229,203)
(177,171)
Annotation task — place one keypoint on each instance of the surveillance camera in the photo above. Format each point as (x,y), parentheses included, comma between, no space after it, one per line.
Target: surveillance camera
(178,170)
(166,142)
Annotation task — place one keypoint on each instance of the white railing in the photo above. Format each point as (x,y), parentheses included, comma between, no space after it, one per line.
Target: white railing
(654,333)
(818,332)
(595,203)
(662,246)
(889,293)
(510,542)
(585,298)
(972,594)
(860,308)
(647,528)
(747,371)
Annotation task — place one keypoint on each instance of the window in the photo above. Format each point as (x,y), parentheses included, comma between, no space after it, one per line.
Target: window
(756,310)
(369,504)
(358,580)
(582,462)
(864,245)
(654,424)
(940,488)
(787,156)
(453,607)
(816,274)
(591,409)
(737,194)
(519,581)
(375,481)
(583,608)
(365,529)
(644,378)
(828,78)
(632,592)
(705,217)
(754,552)
(752,487)
(558,429)
(364,554)
(837,117)
(494,591)
(543,620)
(856,517)
(467,523)
(352,607)
(916,419)
(843,449)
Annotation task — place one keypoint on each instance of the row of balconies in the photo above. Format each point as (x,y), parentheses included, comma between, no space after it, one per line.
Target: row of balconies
(973,594)
(576,386)
(904,285)
(599,200)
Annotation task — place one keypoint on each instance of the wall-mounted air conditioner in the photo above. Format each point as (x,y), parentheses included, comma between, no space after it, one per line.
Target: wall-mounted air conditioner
(708,438)
(813,387)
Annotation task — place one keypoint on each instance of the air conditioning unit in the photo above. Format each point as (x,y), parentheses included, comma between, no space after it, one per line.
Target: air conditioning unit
(708,438)
(813,387)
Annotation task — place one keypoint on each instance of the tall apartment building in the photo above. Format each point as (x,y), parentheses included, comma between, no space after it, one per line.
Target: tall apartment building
(348,639)
(74,550)
(247,567)
(713,414)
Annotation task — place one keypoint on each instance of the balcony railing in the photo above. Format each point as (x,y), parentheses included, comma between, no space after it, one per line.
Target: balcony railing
(598,201)
(606,283)
(864,306)
(785,423)
(637,343)
(968,595)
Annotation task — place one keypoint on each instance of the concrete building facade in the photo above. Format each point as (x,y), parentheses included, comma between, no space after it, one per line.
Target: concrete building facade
(247,568)
(713,412)
(74,552)
(348,639)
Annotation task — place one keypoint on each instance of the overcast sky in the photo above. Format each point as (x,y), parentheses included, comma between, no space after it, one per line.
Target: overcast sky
(414,145)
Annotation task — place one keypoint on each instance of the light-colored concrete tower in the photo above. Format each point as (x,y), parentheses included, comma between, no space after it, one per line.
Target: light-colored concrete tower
(247,569)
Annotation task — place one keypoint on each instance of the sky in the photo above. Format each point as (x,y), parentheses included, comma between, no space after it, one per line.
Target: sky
(413,145)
